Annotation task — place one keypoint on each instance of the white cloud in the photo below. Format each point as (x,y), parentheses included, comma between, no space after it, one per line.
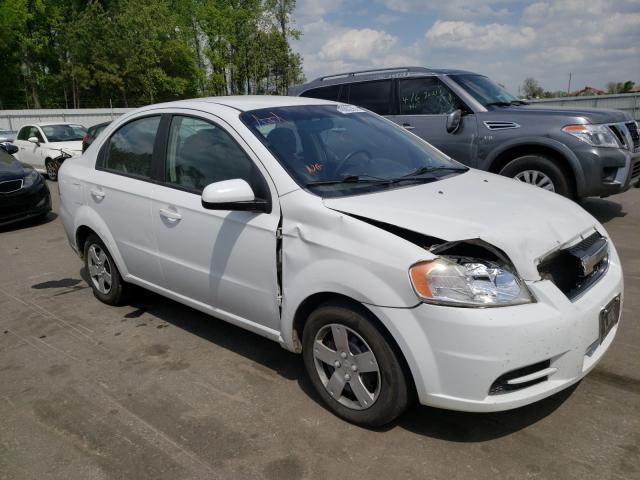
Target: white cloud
(358,44)
(451,9)
(469,36)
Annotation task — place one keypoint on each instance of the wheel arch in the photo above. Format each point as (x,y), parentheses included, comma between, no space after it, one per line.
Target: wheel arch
(316,300)
(88,222)
(557,151)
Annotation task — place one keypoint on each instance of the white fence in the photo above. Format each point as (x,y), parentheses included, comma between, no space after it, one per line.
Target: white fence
(627,102)
(14,119)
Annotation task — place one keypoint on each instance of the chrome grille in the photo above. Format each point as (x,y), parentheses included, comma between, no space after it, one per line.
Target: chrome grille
(10,186)
(626,134)
(635,135)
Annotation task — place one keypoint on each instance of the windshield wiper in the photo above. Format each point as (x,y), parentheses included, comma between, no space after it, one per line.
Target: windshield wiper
(350,179)
(425,170)
(519,102)
(498,104)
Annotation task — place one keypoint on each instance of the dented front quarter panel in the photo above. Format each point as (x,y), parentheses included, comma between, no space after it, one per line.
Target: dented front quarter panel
(328,251)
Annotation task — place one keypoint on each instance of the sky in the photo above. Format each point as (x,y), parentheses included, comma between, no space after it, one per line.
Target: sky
(508,40)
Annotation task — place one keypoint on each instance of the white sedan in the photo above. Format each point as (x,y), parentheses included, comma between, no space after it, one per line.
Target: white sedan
(46,145)
(398,273)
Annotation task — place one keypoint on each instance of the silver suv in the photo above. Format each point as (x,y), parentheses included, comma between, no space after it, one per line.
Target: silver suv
(574,152)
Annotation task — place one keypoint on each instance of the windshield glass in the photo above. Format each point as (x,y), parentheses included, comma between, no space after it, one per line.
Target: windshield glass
(64,133)
(336,150)
(484,90)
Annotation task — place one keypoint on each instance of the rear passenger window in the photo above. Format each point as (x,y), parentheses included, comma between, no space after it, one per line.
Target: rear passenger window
(324,93)
(375,96)
(200,153)
(24,133)
(427,96)
(130,148)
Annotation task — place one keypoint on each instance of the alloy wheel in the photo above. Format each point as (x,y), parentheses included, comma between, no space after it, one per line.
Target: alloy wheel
(99,269)
(346,366)
(537,178)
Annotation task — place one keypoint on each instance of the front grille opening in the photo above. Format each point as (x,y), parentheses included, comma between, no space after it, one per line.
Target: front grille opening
(500,386)
(564,267)
(635,135)
(619,134)
(635,170)
(10,186)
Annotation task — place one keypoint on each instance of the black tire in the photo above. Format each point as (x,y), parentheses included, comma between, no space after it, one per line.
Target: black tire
(545,165)
(116,293)
(395,392)
(52,167)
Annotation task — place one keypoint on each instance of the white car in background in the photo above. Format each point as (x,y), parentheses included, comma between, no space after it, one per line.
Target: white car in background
(46,145)
(397,272)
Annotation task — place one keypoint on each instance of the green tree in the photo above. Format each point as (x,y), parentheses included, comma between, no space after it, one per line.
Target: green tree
(531,88)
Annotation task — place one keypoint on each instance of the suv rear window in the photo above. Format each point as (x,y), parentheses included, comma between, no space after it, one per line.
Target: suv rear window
(374,96)
(324,93)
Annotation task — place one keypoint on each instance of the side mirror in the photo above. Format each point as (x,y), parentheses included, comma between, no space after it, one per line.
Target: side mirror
(453,121)
(234,194)
(34,140)
(9,148)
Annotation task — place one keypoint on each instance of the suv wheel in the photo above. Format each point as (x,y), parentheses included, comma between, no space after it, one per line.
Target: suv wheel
(539,171)
(52,167)
(104,277)
(352,366)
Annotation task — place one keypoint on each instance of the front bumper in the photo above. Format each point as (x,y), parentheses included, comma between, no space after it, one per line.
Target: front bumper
(608,171)
(25,203)
(456,354)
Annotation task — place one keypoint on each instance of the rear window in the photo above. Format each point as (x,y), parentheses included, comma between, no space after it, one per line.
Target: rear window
(374,96)
(130,148)
(323,93)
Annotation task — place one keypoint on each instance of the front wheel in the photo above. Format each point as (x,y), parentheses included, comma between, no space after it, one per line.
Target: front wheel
(353,367)
(539,171)
(52,167)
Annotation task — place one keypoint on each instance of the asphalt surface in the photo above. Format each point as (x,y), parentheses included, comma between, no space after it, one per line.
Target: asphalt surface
(157,390)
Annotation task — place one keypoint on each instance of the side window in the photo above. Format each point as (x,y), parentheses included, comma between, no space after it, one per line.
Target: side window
(24,133)
(375,96)
(130,148)
(35,132)
(427,96)
(200,153)
(324,93)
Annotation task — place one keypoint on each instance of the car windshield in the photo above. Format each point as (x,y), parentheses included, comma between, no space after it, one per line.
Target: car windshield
(64,133)
(337,150)
(485,91)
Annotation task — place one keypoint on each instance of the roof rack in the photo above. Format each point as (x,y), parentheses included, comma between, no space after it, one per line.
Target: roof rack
(373,72)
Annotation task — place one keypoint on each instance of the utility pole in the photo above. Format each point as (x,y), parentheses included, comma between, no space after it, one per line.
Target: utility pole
(569,87)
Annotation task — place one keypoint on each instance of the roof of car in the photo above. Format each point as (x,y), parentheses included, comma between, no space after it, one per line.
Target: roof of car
(46,124)
(374,74)
(249,102)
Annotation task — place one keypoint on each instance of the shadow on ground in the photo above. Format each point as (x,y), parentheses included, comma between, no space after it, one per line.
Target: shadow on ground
(603,210)
(431,422)
(29,223)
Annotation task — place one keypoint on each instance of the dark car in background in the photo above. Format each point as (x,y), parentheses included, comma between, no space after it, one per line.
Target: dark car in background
(23,191)
(576,152)
(92,134)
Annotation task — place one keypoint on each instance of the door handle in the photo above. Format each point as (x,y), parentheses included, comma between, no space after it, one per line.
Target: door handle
(170,215)
(99,194)
(408,126)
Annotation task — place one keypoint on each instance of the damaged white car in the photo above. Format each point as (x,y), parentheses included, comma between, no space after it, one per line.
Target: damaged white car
(397,272)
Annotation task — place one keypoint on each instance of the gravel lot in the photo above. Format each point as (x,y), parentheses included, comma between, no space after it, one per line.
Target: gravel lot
(157,390)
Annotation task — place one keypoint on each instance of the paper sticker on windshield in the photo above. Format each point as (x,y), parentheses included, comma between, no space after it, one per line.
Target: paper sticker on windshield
(343,108)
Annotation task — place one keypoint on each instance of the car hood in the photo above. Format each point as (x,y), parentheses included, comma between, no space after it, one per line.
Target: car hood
(74,147)
(591,115)
(10,168)
(523,221)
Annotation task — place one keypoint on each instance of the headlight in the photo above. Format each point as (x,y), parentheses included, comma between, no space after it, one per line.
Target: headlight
(468,282)
(595,135)
(30,179)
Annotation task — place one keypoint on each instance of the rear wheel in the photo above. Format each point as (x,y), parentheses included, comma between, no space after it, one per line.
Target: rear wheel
(52,167)
(353,367)
(104,277)
(539,171)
